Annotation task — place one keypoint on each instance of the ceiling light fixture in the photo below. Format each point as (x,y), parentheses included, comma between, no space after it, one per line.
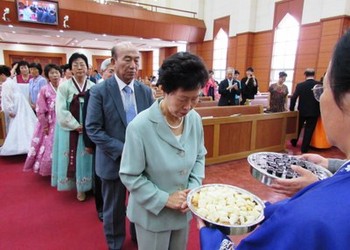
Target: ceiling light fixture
(10,26)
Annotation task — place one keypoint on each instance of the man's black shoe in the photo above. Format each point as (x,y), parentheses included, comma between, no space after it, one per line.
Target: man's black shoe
(293,142)
(100,216)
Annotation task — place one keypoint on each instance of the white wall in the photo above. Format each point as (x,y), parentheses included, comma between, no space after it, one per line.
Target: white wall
(315,10)
(51,49)
(245,15)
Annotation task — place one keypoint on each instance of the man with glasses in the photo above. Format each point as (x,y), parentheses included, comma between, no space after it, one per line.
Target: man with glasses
(308,107)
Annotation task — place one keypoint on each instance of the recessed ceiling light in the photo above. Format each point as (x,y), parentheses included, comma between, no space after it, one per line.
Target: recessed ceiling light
(104,35)
(96,39)
(58,36)
(13,32)
(76,41)
(61,31)
(10,26)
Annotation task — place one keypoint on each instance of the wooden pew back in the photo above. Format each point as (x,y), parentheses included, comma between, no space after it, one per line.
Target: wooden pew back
(225,111)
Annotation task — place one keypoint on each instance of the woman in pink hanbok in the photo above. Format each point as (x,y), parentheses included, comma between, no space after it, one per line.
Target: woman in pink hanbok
(39,157)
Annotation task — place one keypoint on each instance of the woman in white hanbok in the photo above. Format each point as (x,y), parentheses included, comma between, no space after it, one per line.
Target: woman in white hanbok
(20,118)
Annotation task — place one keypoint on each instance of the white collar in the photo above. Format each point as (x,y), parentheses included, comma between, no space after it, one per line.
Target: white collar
(122,84)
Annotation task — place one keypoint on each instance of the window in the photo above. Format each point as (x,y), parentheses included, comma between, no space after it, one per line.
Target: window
(220,55)
(284,49)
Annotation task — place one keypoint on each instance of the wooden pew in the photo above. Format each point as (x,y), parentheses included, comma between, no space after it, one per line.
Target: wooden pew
(207,104)
(231,138)
(223,111)
(205,98)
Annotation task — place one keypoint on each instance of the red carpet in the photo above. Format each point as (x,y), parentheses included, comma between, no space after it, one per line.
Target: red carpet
(34,215)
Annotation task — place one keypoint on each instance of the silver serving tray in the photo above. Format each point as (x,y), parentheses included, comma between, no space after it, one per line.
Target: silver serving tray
(260,169)
(227,229)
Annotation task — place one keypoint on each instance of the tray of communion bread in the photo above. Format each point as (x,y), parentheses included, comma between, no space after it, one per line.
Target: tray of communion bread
(231,209)
(267,166)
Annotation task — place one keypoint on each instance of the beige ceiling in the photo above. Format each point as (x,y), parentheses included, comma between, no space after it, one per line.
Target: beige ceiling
(69,38)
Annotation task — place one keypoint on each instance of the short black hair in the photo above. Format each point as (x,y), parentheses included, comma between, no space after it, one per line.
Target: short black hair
(65,67)
(309,72)
(339,73)
(19,64)
(250,69)
(50,66)
(182,70)
(76,56)
(237,72)
(5,70)
(282,74)
(37,66)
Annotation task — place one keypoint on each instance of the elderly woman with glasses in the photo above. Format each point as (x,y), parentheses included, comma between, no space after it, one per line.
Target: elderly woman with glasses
(315,217)
(71,164)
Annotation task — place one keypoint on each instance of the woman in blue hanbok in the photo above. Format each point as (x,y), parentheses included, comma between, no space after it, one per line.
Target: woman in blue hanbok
(315,217)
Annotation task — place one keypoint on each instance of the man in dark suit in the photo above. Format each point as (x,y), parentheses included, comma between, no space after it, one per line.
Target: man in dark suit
(107,117)
(308,106)
(228,89)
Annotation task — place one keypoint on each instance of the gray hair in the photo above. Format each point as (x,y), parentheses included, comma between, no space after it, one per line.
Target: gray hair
(105,64)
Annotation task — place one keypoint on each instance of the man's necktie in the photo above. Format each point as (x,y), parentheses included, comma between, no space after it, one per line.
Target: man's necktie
(129,105)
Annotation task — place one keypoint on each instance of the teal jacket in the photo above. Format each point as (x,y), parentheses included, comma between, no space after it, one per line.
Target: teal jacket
(155,164)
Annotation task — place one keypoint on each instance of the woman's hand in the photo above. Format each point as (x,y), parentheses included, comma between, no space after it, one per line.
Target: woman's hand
(79,129)
(200,223)
(177,200)
(316,159)
(291,186)
(89,150)
(46,130)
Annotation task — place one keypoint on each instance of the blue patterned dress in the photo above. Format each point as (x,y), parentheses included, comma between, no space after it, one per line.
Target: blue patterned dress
(66,123)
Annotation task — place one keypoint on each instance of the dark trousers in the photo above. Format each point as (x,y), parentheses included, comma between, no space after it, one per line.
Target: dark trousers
(310,124)
(98,194)
(114,194)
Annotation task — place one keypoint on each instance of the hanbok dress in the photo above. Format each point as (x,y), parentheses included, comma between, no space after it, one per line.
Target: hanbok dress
(63,175)
(39,158)
(20,128)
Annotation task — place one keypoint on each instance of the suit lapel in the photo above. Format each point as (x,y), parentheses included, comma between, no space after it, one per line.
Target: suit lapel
(113,90)
(140,99)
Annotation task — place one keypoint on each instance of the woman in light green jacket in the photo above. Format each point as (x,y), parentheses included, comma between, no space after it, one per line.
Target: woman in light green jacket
(163,156)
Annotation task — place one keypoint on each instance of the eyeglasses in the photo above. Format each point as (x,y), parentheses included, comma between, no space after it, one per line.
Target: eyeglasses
(78,65)
(317,91)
